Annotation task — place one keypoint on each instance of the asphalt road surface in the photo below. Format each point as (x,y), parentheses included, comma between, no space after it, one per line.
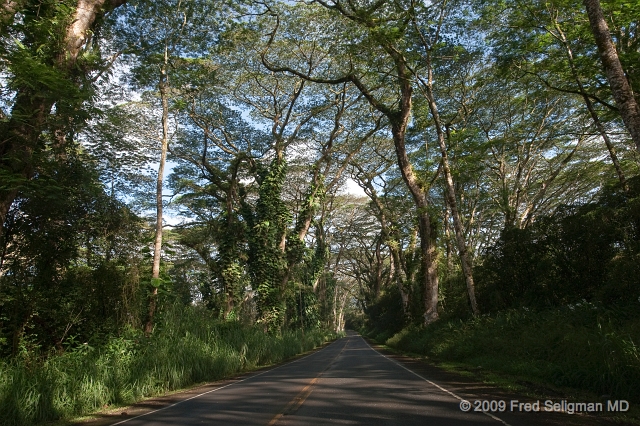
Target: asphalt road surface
(345,383)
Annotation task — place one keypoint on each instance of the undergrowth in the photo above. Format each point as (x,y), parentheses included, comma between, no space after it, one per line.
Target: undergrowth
(187,348)
(580,346)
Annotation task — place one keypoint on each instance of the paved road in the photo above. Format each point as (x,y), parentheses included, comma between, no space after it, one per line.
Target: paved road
(346,383)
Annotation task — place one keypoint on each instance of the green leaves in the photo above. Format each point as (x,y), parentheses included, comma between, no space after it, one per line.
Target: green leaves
(267,261)
(42,77)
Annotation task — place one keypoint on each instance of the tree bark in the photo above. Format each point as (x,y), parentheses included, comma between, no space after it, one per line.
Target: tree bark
(450,193)
(620,88)
(447,236)
(157,246)
(399,123)
(79,31)
(594,115)
(396,270)
(8,9)
(427,248)
(452,204)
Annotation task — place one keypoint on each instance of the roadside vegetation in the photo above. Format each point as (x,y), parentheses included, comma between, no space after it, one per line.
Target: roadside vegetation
(560,296)
(190,346)
(583,346)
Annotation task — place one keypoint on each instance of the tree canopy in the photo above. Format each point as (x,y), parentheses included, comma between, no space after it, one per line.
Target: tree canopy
(492,147)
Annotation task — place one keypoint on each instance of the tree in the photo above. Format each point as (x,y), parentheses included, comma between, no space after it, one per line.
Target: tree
(48,63)
(165,35)
(620,87)
(549,40)
(216,152)
(68,263)
(369,172)
(532,148)
(429,45)
(379,40)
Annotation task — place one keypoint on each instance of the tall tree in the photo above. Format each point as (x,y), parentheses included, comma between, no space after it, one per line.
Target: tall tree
(620,87)
(383,40)
(43,54)
(550,40)
(164,34)
(390,203)
(428,43)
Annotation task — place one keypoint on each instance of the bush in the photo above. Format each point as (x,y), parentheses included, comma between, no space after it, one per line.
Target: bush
(581,252)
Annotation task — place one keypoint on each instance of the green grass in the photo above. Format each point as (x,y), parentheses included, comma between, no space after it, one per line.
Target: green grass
(187,348)
(582,347)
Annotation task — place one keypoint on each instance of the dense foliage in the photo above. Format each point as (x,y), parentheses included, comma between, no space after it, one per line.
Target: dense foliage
(579,346)
(581,253)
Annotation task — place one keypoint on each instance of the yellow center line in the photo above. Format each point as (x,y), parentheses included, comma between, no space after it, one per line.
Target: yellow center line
(299,399)
(296,402)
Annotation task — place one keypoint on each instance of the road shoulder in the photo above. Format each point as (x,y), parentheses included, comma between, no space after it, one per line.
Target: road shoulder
(473,389)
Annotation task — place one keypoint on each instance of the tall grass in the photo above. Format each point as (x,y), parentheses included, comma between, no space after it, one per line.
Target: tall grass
(187,348)
(580,346)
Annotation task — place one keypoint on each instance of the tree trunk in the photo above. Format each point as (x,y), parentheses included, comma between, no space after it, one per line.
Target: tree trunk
(618,82)
(396,270)
(8,9)
(81,28)
(427,248)
(452,204)
(591,109)
(157,246)
(450,193)
(447,237)
(396,273)
(378,271)
(427,245)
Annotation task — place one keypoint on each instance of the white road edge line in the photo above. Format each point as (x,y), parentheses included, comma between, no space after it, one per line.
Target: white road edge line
(222,387)
(432,383)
